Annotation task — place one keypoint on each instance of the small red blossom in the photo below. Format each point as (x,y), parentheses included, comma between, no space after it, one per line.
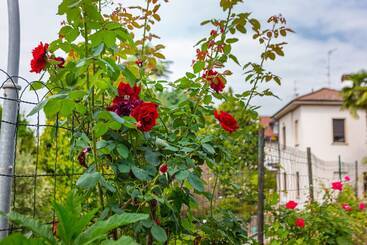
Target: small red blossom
(213,33)
(146,115)
(362,206)
(139,62)
(300,222)
(346,207)
(61,61)
(163,168)
(291,205)
(346,178)
(211,43)
(82,157)
(226,120)
(215,80)
(39,60)
(337,185)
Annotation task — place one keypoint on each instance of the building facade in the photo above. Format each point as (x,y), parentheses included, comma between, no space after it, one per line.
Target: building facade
(337,141)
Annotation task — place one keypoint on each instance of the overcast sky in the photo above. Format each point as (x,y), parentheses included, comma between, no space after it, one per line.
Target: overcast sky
(320,25)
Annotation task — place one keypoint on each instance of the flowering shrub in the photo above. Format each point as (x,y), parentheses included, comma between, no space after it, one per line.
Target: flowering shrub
(340,219)
(107,88)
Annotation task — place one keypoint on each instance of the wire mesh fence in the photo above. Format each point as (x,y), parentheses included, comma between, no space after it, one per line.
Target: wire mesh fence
(295,177)
(43,170)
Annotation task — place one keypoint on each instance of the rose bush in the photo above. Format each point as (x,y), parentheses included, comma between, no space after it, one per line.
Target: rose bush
(140,154)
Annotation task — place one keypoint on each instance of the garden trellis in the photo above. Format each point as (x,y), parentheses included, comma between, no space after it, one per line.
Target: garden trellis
(31,174)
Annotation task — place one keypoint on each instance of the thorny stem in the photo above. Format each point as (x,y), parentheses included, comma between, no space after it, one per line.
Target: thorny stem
(91,109)
(252,91)
(145,27)
(216,55)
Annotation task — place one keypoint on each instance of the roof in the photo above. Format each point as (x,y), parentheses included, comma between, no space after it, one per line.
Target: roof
(323,96)
(265,122)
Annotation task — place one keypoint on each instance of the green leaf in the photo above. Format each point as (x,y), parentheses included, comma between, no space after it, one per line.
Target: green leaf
(158,233)
(151,156)
(100,129)
(69,33)
(88,180)
(182,175)
(139,173)
(124,240)
(102,228)
(196,182)
(19,239)
(122,150)
(35,226)
(208,148)
(198,66)
(37,108)
(130,77)
(232,40)
(36,85)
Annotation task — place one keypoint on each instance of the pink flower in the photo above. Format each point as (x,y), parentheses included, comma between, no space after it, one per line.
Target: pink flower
(337,185)
(346,178)
(362,206)
(291,205)
(300,222)
(346,207)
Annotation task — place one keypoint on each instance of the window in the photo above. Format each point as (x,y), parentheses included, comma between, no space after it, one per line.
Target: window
(339,130)
(285,181)
(297,183)
(296,133)
(284,137)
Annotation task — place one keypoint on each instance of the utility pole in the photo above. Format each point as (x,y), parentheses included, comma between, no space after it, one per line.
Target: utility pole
(10,114)
(329,53)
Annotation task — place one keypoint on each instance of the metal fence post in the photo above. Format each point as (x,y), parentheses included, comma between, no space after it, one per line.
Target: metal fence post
(356,176)
(10,113)
(310,176)
(261,172)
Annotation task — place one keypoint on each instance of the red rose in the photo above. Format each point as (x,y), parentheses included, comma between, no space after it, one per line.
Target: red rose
(215,80)
(127,92)
(163,168)
(227,121)
(82,155)
(346,178)
(346,207)
(146,115)
(337,185)
(300,222)
(61,61)
(291,205)
(39,61)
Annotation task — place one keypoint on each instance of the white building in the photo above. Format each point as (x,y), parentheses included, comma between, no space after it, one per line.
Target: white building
(316,120)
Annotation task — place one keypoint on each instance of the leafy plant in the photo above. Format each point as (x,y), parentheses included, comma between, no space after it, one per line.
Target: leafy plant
(71,226)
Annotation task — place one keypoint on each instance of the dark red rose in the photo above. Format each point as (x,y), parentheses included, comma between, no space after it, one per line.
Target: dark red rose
(163,168)
(300,222)
(61,61)
(146,115)
(215,80)
(127,99)
(226,120)
(39,61)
